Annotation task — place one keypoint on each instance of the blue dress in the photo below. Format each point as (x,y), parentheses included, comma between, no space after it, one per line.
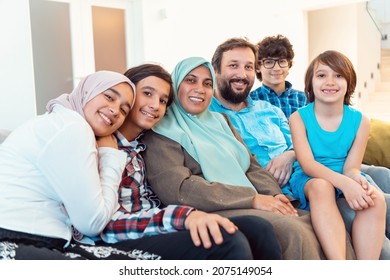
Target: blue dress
(329,148)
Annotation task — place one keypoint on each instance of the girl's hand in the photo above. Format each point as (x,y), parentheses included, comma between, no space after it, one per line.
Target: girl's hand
(202,225)
(107,141)
(371,191)
(357,196)
(364,184)
(278,204)
(359,178)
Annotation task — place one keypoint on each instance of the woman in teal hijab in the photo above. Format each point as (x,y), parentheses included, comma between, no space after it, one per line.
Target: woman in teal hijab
(205,135)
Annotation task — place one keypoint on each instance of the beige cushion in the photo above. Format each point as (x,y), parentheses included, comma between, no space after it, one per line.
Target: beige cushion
(378,146)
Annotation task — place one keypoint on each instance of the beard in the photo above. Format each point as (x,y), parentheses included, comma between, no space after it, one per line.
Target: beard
(228,93)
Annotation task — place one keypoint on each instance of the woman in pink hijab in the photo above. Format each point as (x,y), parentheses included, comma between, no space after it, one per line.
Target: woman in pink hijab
(60,172)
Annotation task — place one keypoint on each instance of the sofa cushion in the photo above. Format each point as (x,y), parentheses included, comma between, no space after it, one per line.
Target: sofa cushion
(378,146)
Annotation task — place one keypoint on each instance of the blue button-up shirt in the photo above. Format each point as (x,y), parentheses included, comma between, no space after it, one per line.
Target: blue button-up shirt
(263,127)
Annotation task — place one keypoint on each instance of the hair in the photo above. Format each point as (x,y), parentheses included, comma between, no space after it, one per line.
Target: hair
(228,45)
(274,46)
(339,63)
(140,72)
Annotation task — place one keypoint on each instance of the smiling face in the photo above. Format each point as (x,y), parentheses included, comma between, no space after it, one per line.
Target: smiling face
(328,85)
(237,74)
(106,112)
(274,77)
(149,107)
(196,90)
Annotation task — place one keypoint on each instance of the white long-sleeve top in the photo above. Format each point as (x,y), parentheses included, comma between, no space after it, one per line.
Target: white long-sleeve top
(52,176)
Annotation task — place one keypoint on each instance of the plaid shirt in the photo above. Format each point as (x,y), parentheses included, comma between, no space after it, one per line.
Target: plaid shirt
(289,101)
(139,214)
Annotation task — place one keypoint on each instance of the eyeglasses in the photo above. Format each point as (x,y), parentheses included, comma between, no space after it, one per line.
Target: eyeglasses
(269,63)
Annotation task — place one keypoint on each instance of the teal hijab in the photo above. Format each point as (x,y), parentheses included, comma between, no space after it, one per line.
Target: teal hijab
(206,136)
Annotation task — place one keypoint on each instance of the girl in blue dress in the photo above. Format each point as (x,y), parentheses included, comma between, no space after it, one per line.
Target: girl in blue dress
(329,139)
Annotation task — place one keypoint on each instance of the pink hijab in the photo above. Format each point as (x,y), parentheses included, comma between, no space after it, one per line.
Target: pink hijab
(89,87)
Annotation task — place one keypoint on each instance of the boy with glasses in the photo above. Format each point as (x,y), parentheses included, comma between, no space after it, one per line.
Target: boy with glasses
(275,55)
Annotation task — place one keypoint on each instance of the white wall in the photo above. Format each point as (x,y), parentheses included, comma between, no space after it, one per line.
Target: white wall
(386,43)
(196,28)
(355,35)
(17,94)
